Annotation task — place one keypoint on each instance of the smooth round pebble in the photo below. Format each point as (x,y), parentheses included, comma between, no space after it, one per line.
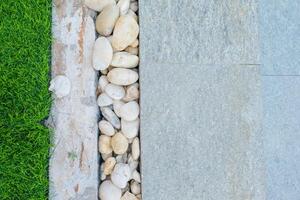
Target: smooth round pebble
(129,196)
(135,187)
(98,5)
(106,128)
(102,82)
(121,76)
(119,143)
(125,32)
(124,60)
(110,116)
(135,149)
(106,20)
(105,144)
(108,165)
(136,176)
(60,86)
(108,191)
(105,156)
(130,128)
(102,54)
(121,175)
(132,50)
(116,92)
(130,111)
(104,100)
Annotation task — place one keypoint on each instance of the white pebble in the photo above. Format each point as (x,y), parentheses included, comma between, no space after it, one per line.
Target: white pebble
(110,116)
(105,144)
(108,165)
(124,6)
(98,5)
(104,100)
(134,6)
(130,128)
(129,196)
(108,191)
(116,92)
(124,60)
(125,32)
(102,54)
(119,143)
(102,82)
(135,187)
(106,20)
(136,176)
(130,111)
(132,92)
(106,128)
(60,86)
(121,76)
(121,175)
(135,149)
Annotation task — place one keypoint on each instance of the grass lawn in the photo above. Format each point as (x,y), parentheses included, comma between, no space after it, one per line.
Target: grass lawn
(25,39)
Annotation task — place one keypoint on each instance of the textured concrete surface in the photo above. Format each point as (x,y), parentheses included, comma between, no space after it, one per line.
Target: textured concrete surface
(282,136)
(73,170)
(200,101)
(280,38)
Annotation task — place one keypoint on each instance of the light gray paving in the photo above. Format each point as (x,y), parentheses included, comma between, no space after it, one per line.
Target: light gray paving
(200,101)
(200,31)
(282,136)
(201,132)
(280,37)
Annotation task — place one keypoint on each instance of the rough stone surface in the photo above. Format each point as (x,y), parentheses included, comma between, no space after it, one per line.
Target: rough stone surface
(200,101)
(282,136)
(73,170)
(199,31)
(280,38)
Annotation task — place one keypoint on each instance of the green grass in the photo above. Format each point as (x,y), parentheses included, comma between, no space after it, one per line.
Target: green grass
(25,39)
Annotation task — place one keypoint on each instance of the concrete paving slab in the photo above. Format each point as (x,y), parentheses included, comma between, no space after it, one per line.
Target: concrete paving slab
(201,132)
(199,31)
(281,100)
(280,38)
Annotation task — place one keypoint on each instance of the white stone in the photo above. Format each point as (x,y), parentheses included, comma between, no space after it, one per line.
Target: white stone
(129,196)
(110,116)
(124,6)
(135,187)
(133,164)
(108,165)
(104,100)
(121,175)
(102,83)
(124,60)
(117,104)
(106,20)
(125,32)
(98,5)
(135,149)
(105,144)
(121,76)
(108,191)
(136,176)
(60,86)
(104,156)
(130,128)
(116,92)
(132,93)
(106,128)
(121,158)
(102,54)
(119,143)
(130,111)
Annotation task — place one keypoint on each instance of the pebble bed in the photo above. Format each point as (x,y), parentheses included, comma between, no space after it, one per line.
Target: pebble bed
(115,55)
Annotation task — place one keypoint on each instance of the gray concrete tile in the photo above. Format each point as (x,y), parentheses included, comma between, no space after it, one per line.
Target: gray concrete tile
(201,132)
(199,31)
(280,37)
(281,103)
